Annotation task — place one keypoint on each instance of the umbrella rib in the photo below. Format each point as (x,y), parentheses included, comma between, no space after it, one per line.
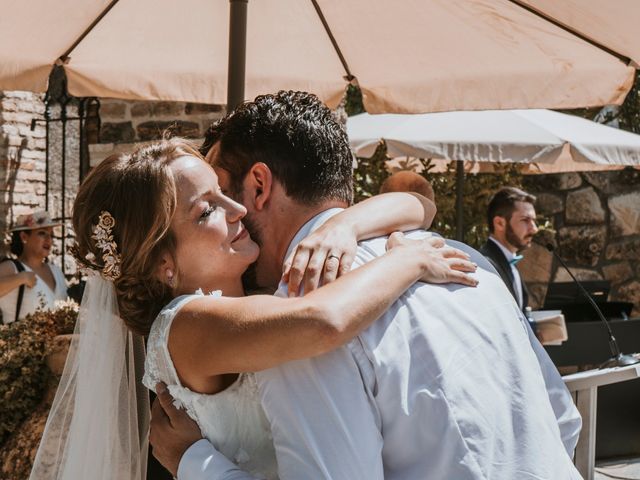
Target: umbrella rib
(572,31)
(336,47)
(64,58)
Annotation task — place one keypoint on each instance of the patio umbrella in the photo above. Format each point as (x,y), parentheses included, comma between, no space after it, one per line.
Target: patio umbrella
(407,56)
(543,141)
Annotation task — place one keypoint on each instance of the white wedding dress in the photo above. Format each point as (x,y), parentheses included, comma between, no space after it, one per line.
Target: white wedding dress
(232,420)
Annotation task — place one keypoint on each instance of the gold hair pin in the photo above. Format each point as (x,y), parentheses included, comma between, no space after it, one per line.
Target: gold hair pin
(105,242)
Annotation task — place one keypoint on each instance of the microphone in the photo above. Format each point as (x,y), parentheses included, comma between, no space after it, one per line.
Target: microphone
(618,359)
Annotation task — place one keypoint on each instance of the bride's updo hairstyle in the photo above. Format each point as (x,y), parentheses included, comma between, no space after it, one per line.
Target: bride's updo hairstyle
(138,191)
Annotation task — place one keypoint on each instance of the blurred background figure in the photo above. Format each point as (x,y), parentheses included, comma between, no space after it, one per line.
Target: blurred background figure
(511,218)
(408,181)
(29,281)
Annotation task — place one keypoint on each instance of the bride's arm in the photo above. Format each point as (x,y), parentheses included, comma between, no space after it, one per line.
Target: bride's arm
(386,213)
(212,336)
(337,237)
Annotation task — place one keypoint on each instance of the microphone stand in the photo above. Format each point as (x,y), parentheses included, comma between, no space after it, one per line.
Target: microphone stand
(618,359)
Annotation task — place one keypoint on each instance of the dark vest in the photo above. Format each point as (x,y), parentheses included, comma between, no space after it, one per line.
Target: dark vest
(502,265)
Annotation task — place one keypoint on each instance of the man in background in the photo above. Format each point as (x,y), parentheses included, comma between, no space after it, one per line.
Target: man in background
(511,217)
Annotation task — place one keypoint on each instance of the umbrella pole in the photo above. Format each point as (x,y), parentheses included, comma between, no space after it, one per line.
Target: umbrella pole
(237,53)
(459,197)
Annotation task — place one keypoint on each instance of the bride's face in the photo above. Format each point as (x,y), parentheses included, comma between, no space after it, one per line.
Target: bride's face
(213,248)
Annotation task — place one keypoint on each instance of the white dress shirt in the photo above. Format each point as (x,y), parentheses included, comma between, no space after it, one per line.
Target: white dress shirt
(445,385)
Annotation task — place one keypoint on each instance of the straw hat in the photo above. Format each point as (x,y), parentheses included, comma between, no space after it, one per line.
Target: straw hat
(32,221)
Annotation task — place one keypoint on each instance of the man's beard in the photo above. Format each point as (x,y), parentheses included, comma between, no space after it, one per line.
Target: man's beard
(249,277)
(514,240)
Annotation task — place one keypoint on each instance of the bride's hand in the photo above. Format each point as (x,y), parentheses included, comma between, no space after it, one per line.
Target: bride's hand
(320,258)
(444,264)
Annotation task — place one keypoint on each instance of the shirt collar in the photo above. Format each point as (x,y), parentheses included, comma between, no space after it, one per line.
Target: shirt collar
(509,255)
(310,226)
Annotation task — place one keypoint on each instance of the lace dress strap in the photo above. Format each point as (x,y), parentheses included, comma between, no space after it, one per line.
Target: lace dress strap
(158,365)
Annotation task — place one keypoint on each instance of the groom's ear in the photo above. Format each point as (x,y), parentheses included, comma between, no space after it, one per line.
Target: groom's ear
(258,184)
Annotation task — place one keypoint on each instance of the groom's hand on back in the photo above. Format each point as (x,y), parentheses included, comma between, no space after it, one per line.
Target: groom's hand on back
(172,430)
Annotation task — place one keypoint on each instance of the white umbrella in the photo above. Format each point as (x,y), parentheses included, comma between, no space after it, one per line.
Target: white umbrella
(543,141)
(521,136)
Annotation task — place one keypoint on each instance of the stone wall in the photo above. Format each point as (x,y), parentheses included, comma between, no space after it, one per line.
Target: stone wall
(22,156)
(596,215)
(129,122)
(125,123)
(596,219)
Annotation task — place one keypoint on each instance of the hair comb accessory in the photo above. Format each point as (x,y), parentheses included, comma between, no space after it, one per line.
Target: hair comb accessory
(102,234)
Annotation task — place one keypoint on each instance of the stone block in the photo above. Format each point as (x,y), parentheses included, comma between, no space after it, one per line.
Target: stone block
(549,203)
(111,109)
(7,129)
(141,109)
(118,132)
(27,165)
(200,108)
(23,95)
(629,292)
(37,144)
(167,109)
(581,245)
(580,273)
(625,214)
(14,140)
(38,132)
(33,154)
(617,272)
(584,207)
(154,130)
(536,264)
(614,182)
(553,182)
(537,292)
(16,117)
(600,180)
(624,250)
(19,105)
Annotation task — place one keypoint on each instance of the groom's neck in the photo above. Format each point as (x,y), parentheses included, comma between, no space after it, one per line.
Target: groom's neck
(283,225)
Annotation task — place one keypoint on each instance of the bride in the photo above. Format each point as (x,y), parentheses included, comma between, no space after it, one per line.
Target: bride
(166,251)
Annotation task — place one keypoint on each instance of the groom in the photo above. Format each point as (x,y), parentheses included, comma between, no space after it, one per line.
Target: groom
(446,385)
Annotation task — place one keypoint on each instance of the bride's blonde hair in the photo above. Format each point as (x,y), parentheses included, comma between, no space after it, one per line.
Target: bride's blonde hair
(139,192)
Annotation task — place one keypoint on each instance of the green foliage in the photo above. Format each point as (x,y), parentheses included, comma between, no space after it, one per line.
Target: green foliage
(478,188)
(24,375)
(353,101)
(628,115)
(369,174)
(477,191)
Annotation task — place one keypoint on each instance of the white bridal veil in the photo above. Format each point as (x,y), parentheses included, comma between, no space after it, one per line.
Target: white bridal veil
(99,422)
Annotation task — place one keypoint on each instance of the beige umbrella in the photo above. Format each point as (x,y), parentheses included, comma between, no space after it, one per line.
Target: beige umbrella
(407,56)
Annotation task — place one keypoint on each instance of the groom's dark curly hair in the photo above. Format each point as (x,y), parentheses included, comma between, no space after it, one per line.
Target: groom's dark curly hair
(296,136)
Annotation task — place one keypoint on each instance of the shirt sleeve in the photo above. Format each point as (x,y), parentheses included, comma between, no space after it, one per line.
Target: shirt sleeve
(323,418)
(567,415)
(202,461)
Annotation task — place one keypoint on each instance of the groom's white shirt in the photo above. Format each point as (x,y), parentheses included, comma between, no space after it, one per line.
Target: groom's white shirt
(449,384)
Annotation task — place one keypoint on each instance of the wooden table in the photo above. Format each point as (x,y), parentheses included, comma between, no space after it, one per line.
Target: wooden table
(584,387)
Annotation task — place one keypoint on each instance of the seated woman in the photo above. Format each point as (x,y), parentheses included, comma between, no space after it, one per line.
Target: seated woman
(134,213)
(40,282)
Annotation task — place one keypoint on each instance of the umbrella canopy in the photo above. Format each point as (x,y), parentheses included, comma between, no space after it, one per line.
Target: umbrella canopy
(554,142)
(407,56)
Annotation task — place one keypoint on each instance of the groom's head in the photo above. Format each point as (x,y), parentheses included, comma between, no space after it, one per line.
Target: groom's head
(284,156)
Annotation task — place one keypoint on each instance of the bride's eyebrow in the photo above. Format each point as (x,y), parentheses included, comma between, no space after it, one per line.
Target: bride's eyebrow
(193,201)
